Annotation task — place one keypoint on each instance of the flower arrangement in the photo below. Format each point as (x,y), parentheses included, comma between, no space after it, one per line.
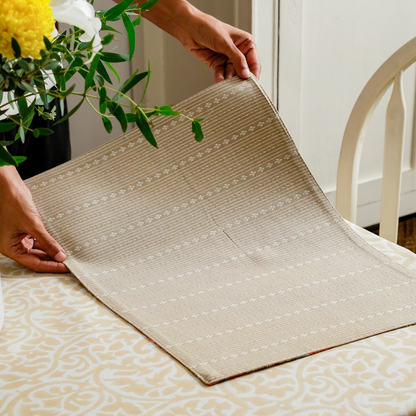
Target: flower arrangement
(38,63)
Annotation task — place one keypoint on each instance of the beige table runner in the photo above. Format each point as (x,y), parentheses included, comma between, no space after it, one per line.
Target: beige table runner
(226,253)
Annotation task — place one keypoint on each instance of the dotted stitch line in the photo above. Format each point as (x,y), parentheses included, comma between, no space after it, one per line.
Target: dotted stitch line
(244,302)
(316,259)
(132,144)
(164,173)
(274,344)
(184,205)
(204,236)
(288,314)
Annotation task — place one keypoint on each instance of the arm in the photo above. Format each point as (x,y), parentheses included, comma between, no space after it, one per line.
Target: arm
(23,237)
(224,48)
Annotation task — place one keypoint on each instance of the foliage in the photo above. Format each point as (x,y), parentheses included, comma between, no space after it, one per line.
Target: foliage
(28,85)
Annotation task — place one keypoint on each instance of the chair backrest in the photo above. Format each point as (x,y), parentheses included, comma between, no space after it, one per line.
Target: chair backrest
(349,161)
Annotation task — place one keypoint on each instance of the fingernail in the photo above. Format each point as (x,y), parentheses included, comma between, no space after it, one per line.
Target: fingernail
(61,256)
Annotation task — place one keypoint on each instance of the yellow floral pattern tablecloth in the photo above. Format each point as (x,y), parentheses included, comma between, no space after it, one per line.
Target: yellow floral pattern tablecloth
(63,353)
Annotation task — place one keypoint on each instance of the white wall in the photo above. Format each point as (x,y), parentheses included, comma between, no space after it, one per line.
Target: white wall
(328,51)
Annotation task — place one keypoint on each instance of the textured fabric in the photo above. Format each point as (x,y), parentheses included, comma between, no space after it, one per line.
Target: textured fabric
(225,253)
(63,353)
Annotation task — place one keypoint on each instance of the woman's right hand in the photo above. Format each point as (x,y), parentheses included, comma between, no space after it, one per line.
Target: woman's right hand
(23,236)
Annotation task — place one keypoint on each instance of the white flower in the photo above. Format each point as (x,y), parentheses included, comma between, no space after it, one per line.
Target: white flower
(79,13)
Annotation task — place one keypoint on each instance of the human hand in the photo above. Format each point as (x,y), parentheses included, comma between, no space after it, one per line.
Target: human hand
(222,47)
(23,237)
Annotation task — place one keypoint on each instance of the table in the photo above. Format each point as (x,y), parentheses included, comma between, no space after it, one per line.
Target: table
(62,352)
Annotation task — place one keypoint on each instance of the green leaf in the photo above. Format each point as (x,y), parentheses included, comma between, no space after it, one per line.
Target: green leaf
(129,84)
(130,34)
(115,12)
(90,77)
(106,27)
(114,57)
(22,106)
(22,134)
(17,159)
(5,156)
(39,82)
(143,125)
(62,106)
(107,39)
(166,110)
(137,21)
(103,72)
(147,4)
(147,81)
(55,56)
(68,91)
(61,83)
(83,46)
(6,143)
(69,114)
(197,130)
(74,67)
(131,117)
(26,87)
(10,98)
(152,113)
(23,64)
(16,48)
(113,70)
(40,102)
(53,65)
(42,131)
(103,97)
(28,117)
(107,124)
(47,43)
(6,126)
(119,114)
(99,79)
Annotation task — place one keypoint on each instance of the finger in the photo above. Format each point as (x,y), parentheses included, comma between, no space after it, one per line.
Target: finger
(46,243)
(239,62)
(41,254)
(229,71)
(219,73)
(218,63)
(253,62)
(33,262)
(36,245)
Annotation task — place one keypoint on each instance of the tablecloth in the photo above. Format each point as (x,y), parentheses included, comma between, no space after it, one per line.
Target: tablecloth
(62,352)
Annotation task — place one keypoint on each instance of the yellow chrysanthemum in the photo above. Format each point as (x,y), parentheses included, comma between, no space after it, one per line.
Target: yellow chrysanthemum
(28,21)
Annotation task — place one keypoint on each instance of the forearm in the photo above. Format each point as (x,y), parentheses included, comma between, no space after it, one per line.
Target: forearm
(224,48)
(173,16)
(9,178)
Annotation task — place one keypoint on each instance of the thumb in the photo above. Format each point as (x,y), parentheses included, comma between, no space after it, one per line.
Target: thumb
(239,61)
(48,243)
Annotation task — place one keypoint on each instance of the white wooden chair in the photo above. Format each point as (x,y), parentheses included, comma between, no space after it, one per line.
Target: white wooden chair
(347,179)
